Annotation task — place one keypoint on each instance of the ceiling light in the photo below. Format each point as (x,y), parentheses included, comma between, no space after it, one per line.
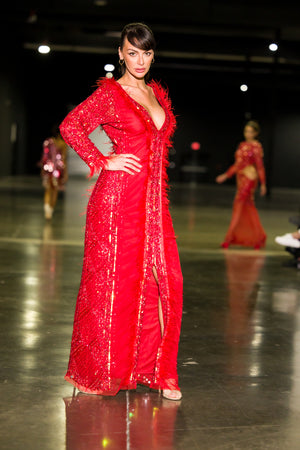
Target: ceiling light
(100,2)
(243,87)
(44,49)
(109,67)
(273,47)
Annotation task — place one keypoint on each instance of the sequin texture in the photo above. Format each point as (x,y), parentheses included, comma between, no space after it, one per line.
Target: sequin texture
(117,341)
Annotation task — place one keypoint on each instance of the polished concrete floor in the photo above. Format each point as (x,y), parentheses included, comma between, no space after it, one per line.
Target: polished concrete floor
(239,355)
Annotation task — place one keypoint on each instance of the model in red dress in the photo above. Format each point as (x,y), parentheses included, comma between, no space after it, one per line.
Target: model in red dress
(128,312)
(245,228)
(53,165)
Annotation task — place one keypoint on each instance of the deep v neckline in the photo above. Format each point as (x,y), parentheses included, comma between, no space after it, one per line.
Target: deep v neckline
(139,105)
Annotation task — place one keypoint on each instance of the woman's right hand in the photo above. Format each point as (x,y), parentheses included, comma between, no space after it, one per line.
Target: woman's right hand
(221,178)
(263,190)
(124,161)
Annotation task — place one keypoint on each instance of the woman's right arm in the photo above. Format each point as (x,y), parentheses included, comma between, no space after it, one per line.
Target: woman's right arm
(221,178)
(258,156)
(231,171)
(81,121)
(228,174)
(97,109)
(236,166)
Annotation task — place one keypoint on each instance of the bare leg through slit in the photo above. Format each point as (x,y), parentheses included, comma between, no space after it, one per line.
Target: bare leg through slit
(167,393)
(160,313)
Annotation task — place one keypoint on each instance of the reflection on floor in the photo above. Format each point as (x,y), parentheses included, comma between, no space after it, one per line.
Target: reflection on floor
(129,420)
(239,356)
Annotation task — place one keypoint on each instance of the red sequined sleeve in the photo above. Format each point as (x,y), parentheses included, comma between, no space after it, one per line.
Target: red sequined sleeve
(96,110)
(258,157)
(231,171)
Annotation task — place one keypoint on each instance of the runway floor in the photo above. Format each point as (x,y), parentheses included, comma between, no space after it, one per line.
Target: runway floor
(239,354)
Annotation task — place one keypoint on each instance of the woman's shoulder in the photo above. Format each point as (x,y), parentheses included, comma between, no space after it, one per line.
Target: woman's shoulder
(254,144)
(162,91)
(106,84)
(106,91)
(257,147)
(257,143)
(159,86)
(241,145)
(108,87)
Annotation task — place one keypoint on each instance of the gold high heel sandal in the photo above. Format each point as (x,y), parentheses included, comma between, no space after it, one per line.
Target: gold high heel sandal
(171,394)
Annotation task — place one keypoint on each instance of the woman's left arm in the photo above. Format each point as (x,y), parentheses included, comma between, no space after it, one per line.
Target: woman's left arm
(259,163)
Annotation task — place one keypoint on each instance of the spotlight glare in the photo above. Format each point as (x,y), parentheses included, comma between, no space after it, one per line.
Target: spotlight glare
(109,67)
(109,75)
(273,47)
(243,87)
(44,49)
(195,145)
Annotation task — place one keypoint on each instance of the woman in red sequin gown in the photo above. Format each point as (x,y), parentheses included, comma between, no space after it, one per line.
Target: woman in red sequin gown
(245,228)
(129,306)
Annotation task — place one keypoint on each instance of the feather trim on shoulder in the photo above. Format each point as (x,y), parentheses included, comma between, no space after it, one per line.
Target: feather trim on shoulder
(164,99)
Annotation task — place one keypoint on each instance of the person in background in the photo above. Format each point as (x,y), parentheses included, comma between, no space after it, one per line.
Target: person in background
(291,241)
(245,228)
(53,165)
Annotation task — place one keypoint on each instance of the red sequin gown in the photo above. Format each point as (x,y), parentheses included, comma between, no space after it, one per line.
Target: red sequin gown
(245,227)
(117,341)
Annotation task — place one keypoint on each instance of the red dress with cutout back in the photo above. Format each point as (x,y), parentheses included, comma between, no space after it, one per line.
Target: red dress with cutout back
(245,227)
(117,341)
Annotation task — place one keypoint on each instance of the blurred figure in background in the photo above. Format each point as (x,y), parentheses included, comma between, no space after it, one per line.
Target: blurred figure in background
(245,228)
(289,239)
(53,170)
(291,242)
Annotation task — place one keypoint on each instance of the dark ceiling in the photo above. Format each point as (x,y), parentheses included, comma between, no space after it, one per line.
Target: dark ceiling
(224,35)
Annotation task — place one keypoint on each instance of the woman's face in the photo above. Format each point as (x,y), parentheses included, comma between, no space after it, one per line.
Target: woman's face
(137,61)
(249,133)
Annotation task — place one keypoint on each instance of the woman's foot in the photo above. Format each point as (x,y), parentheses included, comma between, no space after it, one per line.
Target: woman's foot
(171,394)
(48,210)
(225,245)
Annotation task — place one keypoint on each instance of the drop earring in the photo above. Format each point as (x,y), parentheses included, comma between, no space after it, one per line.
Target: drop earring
(121,62)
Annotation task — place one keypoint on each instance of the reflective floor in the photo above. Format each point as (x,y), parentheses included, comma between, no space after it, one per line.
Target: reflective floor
(239,355)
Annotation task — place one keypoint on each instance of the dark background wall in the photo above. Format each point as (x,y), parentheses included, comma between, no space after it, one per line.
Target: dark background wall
(37,91)
(210,108)
(13,116)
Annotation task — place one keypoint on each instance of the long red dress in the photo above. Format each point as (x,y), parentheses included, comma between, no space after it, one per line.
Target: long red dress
(245,228)
(117,341)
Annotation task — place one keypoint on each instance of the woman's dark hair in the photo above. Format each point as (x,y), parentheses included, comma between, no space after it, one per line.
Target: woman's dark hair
(139,35)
